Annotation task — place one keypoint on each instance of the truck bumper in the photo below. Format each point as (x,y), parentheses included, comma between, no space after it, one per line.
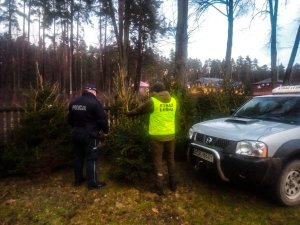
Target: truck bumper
(232,166)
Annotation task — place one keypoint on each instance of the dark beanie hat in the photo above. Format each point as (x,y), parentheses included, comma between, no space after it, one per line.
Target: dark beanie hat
(158,87)
(90,86)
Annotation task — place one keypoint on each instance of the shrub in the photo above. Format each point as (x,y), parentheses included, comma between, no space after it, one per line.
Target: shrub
(129,142)
(186,116)
(129,149)
(42,136)
(7,159)
(218,103)
(42,140)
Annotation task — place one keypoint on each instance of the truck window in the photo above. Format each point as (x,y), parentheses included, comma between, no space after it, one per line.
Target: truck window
(280,109)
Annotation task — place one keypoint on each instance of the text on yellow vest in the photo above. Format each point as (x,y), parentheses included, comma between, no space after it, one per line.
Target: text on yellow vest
(162,119)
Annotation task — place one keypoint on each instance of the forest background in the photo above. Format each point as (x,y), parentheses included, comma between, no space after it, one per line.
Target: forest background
(49,36)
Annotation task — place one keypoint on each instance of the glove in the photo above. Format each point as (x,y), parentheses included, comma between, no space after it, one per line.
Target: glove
(129,114)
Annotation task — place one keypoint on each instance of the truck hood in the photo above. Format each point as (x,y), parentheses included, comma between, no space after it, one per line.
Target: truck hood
(236,129)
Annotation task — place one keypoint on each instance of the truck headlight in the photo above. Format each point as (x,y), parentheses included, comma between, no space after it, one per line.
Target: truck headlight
(191,132)
(252,148)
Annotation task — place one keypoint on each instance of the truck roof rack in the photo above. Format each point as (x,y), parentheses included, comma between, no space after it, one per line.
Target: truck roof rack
(293,89)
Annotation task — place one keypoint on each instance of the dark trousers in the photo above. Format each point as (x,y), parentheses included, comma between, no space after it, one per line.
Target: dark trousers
(158,148)
(85,149)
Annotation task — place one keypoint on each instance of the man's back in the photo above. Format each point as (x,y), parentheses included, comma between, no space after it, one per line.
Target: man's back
(87,113)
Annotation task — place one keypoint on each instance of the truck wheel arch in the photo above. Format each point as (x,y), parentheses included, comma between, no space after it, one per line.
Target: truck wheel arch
(288,151)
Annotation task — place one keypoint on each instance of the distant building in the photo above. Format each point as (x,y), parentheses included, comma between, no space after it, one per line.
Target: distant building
(144,87)
(264,87)
(209,81)
(206,85)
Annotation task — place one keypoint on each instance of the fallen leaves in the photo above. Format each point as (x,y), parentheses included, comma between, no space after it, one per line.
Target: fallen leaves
(155,210)
(56,201)
(10,201)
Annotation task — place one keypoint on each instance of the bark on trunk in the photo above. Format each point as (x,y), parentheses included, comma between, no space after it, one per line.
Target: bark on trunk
(229,41)
(181,43)
(273,20)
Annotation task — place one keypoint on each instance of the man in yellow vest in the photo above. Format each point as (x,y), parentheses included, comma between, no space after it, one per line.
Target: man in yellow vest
(162,108)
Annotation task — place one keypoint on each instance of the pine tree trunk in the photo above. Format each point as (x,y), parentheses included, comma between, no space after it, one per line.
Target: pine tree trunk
(139,59)
(71,50)
(228,67)
(181,42)
(273,20)
(101,55)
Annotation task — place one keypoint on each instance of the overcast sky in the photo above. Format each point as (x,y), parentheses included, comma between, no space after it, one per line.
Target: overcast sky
(210,38)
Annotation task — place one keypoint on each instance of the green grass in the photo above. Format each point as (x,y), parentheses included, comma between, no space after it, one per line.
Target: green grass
(199,200)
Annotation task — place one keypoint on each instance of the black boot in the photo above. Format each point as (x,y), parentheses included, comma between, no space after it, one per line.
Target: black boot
(172,184)
(97,185)
(158,188)
(78,182)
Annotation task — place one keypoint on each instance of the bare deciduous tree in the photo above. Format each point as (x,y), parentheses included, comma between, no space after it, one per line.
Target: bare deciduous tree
(233,9)
(292,58)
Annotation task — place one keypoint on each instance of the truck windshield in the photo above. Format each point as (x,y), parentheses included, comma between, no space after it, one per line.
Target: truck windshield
(275,108)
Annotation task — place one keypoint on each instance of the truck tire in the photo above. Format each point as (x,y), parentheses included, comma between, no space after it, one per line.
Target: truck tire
(288,185)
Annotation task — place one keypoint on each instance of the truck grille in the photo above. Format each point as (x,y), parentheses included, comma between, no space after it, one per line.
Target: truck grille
(214,142)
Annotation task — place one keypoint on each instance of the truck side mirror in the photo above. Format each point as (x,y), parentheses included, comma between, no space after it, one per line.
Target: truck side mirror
(232,111)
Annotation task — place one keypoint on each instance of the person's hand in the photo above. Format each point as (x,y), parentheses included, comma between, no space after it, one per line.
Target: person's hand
(103,136)
(129,114)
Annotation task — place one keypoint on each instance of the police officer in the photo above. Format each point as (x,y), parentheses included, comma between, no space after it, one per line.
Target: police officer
(87,118)
(162,109)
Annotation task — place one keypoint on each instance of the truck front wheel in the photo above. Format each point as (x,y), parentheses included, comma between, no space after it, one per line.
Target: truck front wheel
(288,185)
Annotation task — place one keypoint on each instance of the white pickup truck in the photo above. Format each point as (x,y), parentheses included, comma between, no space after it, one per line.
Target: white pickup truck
(260,142)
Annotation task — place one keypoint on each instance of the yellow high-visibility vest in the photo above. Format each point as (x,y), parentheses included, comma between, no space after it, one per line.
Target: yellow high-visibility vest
(162,119)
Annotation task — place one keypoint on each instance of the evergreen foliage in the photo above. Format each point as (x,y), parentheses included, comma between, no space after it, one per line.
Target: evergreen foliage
(129,142)
(42,136)
(129,149)
(218,103)
(186,116)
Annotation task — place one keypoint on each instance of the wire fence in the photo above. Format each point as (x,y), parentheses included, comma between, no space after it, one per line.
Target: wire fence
(10,117)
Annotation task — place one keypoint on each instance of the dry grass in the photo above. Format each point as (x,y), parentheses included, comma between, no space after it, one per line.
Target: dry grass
(199,200)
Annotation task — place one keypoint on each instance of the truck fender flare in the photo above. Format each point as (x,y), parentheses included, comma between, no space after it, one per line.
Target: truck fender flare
(288,150)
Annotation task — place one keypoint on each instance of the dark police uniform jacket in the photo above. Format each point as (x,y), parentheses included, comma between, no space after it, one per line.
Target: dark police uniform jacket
(86,114)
